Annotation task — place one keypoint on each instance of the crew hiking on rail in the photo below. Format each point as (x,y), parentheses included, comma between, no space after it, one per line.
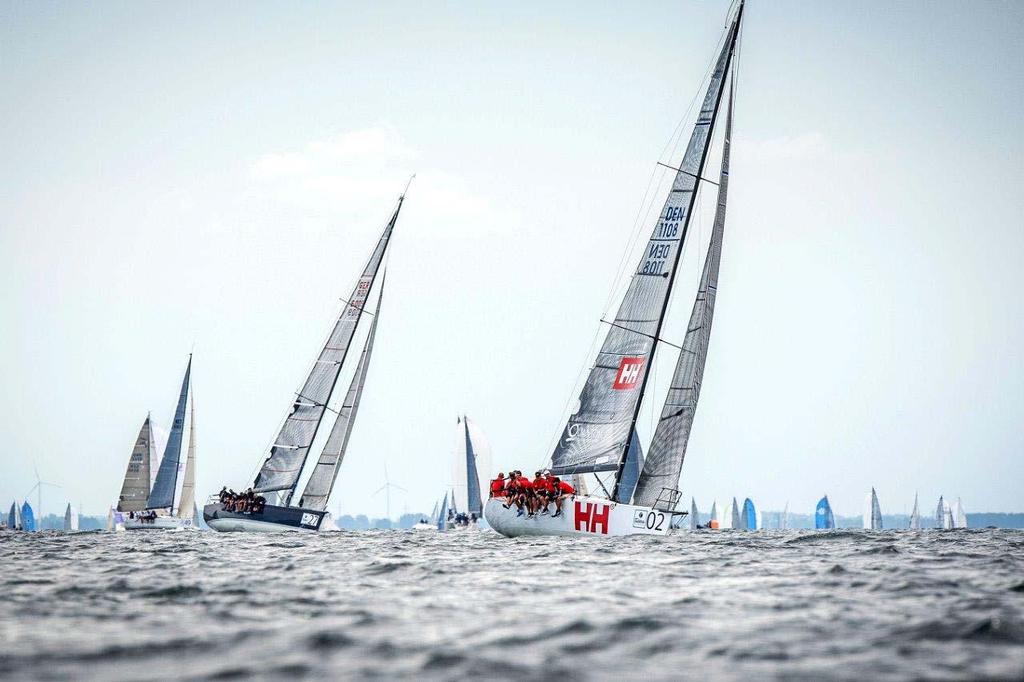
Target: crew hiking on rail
(242,503)
(534,497)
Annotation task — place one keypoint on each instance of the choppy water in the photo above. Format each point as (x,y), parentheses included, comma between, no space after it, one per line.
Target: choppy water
(729,605)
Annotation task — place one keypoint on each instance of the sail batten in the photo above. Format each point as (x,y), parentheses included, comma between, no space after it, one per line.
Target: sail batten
(321,482)
(597,435)
(283,465)
(668,447)
(166,485)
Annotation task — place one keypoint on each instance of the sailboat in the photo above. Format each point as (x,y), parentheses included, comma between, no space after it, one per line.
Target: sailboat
(278,477)
(823,517)
(70,519)
(138,477)
(748,515)
(784,521)
(599,435)
(470,466)
(170,502)
(915,516)
(872,512)
(959,516)
(14,521)
(694,515)
(28,518)
(713,521)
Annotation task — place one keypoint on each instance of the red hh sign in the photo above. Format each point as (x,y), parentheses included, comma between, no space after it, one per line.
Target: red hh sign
(628,374)
(590,517)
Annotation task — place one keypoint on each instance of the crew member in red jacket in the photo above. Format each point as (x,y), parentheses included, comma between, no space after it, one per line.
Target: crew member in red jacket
(498,485)
(561,490)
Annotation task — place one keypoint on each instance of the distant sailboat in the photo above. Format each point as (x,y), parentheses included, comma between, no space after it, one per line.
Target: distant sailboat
(823,517)
(279,476)
(749,515)
(959,516)
(170,501)
(944,515)
(872,512)
(141,467)
(70,520)
(14,521)
(28,518)
(737,518)
(784,522)
(915,516)
(472,461)
(599,435)
(442,514)
(694,521)
(713,520)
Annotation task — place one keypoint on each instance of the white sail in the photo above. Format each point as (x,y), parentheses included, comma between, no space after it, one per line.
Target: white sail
(959,515)
(784,525)
(915,516)
(694,521)
(187,500)
(70,519)
(872,512)
(940,513)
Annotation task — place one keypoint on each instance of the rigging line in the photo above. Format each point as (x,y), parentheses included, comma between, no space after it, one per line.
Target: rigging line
(668,343)
(680,170)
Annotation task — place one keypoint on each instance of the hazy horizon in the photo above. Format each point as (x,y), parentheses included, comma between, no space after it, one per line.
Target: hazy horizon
(213,178)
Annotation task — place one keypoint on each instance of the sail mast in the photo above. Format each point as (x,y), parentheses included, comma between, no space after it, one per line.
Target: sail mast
(668,445)
(283,466)
(325,473)
(706,118)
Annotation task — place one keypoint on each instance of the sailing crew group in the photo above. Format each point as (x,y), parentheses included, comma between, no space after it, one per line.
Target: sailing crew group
(533,496)
(242,503)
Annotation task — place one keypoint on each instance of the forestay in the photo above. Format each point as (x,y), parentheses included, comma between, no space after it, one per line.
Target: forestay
(283,465)
(598,432)
(325,473)
(668,447)
(166,484)
(138,476)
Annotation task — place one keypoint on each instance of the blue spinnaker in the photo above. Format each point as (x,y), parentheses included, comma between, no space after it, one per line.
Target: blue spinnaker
(28,519)
(823,518)
(749,515)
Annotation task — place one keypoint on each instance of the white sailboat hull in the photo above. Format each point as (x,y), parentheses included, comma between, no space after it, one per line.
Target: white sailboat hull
(159,523)
(582,516)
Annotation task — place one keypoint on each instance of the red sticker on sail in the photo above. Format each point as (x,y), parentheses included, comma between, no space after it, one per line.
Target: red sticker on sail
(628,374)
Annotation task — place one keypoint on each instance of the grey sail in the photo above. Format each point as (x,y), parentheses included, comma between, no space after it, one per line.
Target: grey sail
(693,514)
(325,473)
(283,466)
(597,434)
(474,505)
(442,514)
(668,447)
(137,478)
(166,484)
(915,516)
(737,523)
(940,513)
(187,500)
(631,470)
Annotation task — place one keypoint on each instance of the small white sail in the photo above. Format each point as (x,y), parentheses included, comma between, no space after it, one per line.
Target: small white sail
(694,522)
(187,502)
(959,515)
(70,519)
(915,516)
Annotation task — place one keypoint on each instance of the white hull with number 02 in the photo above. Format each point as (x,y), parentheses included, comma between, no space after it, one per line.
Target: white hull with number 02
(581,516)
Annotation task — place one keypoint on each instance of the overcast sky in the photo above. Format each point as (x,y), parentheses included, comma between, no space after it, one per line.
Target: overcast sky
(214,176)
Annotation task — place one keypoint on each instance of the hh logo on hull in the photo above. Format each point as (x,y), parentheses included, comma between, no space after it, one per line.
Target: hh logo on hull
(629,373)
(591,517)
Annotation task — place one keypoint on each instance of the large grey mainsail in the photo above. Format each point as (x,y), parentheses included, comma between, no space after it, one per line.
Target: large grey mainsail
(166,484)
(283,465)
(325,473)
(598,433)
(137,478)
(668,447)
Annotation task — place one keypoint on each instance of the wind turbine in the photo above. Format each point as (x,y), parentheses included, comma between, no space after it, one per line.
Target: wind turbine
(386,489)
(38,489)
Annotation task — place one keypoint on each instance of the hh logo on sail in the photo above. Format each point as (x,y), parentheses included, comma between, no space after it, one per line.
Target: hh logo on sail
(591,517)
(628,374)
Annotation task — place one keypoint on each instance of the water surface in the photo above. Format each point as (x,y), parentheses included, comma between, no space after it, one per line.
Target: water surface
(727,605)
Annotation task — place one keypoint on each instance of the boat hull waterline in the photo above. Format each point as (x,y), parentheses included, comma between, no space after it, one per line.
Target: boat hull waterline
(159,523)
(581,516)
(272,519)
